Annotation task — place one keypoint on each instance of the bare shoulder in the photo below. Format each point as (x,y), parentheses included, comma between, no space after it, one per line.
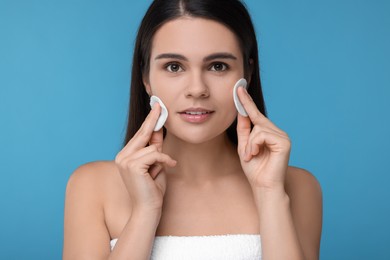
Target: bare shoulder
(84,219)
(93,170)
(299,180)
(305,195)
(94,181)
(92,175)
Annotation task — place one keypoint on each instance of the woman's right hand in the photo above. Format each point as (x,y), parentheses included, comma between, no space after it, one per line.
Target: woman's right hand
(141,166)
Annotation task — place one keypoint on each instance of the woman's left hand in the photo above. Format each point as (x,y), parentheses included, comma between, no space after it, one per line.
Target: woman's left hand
(264,151)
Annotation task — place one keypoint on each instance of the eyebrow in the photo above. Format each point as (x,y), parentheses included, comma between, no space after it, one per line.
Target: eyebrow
(214,56)
(220,55)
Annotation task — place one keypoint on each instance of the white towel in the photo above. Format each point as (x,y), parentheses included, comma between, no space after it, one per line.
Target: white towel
(226,247)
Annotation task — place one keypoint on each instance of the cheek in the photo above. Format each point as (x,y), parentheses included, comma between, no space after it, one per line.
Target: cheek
(226,108)
(225,99)
(164,87)
(169,97)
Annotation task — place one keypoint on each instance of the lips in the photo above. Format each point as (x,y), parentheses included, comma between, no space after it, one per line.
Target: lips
(196,114)
(196,111)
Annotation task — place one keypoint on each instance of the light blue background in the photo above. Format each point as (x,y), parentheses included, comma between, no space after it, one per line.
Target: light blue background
(64,87)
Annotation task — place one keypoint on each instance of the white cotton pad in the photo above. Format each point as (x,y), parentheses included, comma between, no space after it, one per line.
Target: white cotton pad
(163,115)
(240,83)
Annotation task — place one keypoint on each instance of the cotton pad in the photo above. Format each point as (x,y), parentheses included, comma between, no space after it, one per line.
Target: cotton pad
(240,108)
(163,115)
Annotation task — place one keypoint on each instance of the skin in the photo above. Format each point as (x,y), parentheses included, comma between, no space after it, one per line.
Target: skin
(249,189)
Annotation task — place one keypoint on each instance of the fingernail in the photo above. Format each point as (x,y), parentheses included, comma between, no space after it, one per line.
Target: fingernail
(154,106)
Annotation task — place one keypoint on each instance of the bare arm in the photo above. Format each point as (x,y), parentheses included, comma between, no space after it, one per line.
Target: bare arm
(288,199)
(306,209)
(141,169)
(290,223)
(85,232)
(136,239)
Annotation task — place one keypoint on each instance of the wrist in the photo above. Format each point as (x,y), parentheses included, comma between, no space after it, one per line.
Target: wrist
(146,214)
(270,194)
(273,189)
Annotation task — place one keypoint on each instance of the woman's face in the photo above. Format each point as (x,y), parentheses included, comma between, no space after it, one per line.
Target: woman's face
(194,65)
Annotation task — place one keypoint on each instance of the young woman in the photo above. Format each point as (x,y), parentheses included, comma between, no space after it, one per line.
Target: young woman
(211,184)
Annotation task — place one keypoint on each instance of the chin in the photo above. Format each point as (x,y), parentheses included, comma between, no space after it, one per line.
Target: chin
(196,134)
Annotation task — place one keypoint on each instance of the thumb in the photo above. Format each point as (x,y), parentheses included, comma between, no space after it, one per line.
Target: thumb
(243,132)
(157,139)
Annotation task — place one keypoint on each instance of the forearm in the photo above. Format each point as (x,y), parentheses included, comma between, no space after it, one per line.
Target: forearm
(136,239)
(279,238)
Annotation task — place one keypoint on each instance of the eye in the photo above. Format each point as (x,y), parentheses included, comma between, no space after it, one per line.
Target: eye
(219,67)
(174,67)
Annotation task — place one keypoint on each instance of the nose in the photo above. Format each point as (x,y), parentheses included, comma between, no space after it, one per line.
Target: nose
(197,87)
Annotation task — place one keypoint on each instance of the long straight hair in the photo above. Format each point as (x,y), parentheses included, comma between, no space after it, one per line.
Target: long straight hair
(232,13)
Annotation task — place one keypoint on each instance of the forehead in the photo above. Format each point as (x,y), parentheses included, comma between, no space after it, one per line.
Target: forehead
(194,37)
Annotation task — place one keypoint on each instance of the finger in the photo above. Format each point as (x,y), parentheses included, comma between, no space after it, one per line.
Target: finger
(148,161)
(254,114)
(257,144)
(147,152)
(144,133)
(243,132)
(157,139)
(144,152)
(161,182)
(155,169)
(266,140)
(248,150)
(143,164)
(123,160)
(250,107)
(261,128)
(157,157)
(253,147)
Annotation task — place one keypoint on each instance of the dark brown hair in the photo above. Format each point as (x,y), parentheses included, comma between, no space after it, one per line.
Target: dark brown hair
(231,13)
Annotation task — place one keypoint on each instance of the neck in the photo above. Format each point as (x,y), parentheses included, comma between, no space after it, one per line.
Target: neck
(201,163)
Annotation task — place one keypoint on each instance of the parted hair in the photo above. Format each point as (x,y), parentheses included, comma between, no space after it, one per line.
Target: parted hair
(231,13)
